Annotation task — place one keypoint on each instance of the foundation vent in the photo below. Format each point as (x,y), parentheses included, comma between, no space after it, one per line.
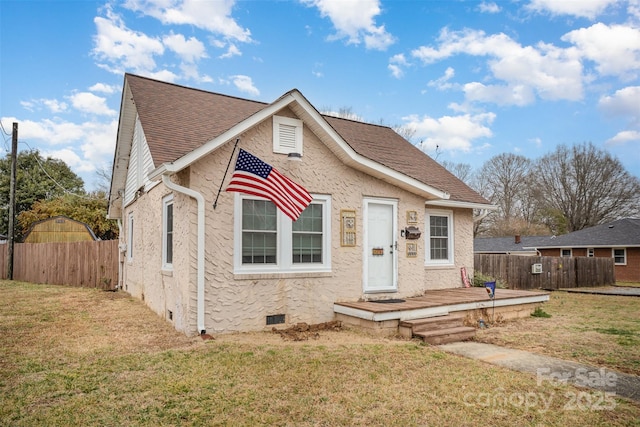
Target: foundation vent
(275,319)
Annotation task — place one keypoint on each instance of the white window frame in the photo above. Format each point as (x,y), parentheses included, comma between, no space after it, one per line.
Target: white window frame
(130,237)
(591,252)
(613,255)
(284,262)
(450,261)
(282,127)
(166,202)
(562,250)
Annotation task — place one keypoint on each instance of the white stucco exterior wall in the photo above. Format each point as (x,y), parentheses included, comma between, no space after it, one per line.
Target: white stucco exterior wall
(241,302)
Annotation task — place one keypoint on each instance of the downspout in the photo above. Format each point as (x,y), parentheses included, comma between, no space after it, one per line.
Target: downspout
(122,244)
(121,248)
(200,255)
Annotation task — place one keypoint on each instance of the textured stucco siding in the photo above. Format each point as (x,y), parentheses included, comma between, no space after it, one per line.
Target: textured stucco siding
(241,302)
(162,290)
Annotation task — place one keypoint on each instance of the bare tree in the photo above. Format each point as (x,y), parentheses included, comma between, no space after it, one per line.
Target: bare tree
(587,186)
(503,180)
(462,171)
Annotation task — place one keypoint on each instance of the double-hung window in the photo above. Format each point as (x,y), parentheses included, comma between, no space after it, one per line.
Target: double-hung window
(266,240)
(620,256)
(439,239)
(259,232)
(167,232)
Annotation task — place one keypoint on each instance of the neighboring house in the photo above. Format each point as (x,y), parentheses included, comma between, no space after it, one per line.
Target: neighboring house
(386,221)
(3,238)
(516,245)
(59,229)
(618,239)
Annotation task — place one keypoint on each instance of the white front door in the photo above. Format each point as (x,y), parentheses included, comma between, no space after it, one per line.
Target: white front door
(380,245)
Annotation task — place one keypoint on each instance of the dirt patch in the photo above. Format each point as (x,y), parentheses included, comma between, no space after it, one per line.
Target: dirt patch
(303,331)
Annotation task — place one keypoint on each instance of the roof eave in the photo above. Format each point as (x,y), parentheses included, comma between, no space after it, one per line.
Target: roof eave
(460,204)
(122,152)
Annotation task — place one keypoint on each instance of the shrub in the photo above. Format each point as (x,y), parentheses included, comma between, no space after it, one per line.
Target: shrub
(539,312)
(479,280)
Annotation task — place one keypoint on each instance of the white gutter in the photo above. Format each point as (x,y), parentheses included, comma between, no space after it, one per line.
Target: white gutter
(200,256)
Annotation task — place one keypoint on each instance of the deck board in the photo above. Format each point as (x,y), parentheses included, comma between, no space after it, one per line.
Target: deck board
(438,298)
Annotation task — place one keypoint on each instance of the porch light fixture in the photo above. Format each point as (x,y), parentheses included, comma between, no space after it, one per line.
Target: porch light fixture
(295,157)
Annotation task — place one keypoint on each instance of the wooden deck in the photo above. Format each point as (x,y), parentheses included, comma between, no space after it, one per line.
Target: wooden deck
(438,303)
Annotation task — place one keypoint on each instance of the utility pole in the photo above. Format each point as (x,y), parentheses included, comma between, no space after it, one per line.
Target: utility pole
(12,201)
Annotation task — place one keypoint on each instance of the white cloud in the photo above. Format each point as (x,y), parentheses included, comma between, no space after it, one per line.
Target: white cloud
(82,146)
(615,48)
(71,159)
(53,105)
(624,102)
(624,137)
(87,102)
(57,132)
(355,20)
(245,84)
(396,62)
(213,16)
(455,133)
(119,48)
(105,88)
(232,51)
(517,94)
(536,141)
(582,8)
(190,50)
(442,83)
(551,72)
(489,7)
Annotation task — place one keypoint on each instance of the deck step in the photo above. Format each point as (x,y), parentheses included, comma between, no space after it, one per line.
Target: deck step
(438,330)
(445,336)
(432,323)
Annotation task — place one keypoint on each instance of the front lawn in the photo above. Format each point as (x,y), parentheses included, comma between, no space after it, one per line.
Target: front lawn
(92,358)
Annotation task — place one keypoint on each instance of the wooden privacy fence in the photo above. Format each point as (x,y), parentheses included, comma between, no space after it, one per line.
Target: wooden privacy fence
(92,264)
(556,272)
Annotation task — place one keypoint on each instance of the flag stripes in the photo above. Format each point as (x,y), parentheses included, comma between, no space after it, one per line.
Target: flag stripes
(255,177)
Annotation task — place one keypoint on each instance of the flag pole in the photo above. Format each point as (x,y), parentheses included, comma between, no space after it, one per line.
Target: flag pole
(215,203)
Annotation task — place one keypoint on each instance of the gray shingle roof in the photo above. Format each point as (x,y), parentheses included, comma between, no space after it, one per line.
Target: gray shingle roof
(503,245)
(621,233)
(177,120)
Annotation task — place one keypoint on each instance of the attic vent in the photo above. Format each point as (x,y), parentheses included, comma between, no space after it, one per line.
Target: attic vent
(60,221)
(275,319)
(287,135)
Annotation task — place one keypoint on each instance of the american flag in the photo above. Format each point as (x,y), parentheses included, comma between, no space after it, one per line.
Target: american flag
(255,177)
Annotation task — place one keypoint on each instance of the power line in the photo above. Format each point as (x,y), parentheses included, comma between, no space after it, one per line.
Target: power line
(65,190)
(3,129)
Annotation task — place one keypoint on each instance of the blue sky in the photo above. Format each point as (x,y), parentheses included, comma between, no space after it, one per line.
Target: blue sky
(474,78)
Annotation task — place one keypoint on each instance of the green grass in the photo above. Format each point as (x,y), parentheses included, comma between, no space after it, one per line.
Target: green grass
(539,312)
(91,358)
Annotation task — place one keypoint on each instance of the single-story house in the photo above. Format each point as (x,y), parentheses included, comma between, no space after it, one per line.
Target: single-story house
(619,240)
(516,245)
(59,228)
(385,221)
